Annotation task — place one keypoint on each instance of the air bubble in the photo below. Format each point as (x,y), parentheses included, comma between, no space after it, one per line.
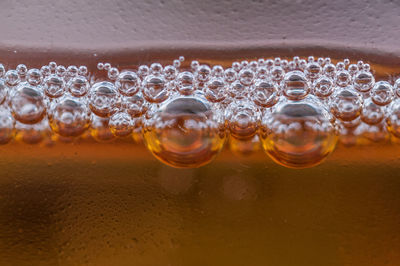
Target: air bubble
(34,77)
(382,93)
(128,83)
(3,91)
(22,70)
(396,87)
(323,87)
(393,120)
(78,86)
(53,86)
(295,86)
(113,73)
(170,72)
(230,75)
(185,83)
(27,104)
(120,124)
(2,70)
(134,105)
(100,130)
(102,98)
(12,78)
(246,76)
(242,119)
(154,89)
(372,113)
(143,71)
(346,104)
(203,73)
(69,117)
(363,81)
(61,71)
(215,90)
(156,68)
(265,93)
(277,73)
(343,78)
(184,133)
(298,134)
(313,70)
(6,125)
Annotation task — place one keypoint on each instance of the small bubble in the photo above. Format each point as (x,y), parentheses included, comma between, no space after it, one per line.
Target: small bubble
(45,70)
(156,68)
(265,93)
(194,65)
(343,78)
(6,125)
(143,71)
(134,105)
(181,58)
(230,75)
(107,66)
(22,70)
(27,104)
(102,98)
(217,71)
(393,120)
(176,63)
(170,72)
(100,66)
(12,78)
(53,66)
(246,76)
(330,70)
(128,83)
(242,119)
(78,86)
(34,77)
(69,117)
(236,66)
(215,90)
(323,87)
(154,89)
(120,124)
(262,73)
(346,104)
(3,91)
(372,113)
(203,73)
(61,70)
(112,73)
(313,70)
(295,86)
(2,70)
(277,73)
(53,86)
(363,81)
(382,93)
(185,83)
(396,87)
(83,71)
(353,69)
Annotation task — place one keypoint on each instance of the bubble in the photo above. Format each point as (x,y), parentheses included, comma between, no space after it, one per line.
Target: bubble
(346,104)
(372,113)
(6,125)
(34,77)
(262,73)
(53,66)
(298,134)
(22,70)
(393,120)
(277,73)
(244,147)
(78,86)
(242,119)
(323,87)
(45,70)
(143,71)
(236,66)
(396,87)
(215,90)
(113,73)
(69,117)
(176,63)
(134,105)
(313,70)
(100,66)
(27,104)
(184,133)
(12,78)
(353,69)
(203,73)
(83,71)
(53,86)
(363,81)
(170,72)
(237,90)
(103,98)
(3,91)
(32,134)
(230,75)
(217,71)
(107,66)
(2,70)
(185,83)
(181,58)
(120,124)
(194,65)
(382,93)
(100,130)
(246,76)
(343,78)
(154,89)
(156,68)
(128,83)
(265,93)
(60,71)
(330,70)
(295,86)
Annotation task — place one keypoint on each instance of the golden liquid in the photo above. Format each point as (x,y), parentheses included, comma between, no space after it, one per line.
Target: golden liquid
(113,203)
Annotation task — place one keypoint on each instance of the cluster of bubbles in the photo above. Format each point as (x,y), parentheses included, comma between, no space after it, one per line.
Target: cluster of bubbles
(295,110)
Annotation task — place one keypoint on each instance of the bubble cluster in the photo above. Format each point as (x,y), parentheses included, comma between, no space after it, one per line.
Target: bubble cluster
(184,112)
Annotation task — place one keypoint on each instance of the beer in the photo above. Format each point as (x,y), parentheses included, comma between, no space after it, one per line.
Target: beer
(80,187)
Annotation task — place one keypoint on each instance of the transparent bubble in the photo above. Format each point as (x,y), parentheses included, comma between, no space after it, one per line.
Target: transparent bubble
(184,133)
(6,125)
(69,117)
(393,119)
(298,134)
(217,71)
(12,78)
(313,70)
(215,90)
(78,86)
(103,98)
(134,105)
(100,130)
(107,66)
(113,73)
(83,71)
(346,104)
(156,68)
(323,87)
(3,91)
(277,73)
(53,66)
(330,70)
(265,93)
(262,73)
(176,63)
(237,90)
(246,76)
(154,89)
(185,83)
(353,69)
(244,147)
(230,75)
(143,71)
(170,72)
(194,65)
(45,70)
(382,93)
(181,58)
(203,73)
(2,70)
(27,104)
(242,119)
(22,70)
(363,81)
(32,134)
(34,77)
(396,87)
(295,85)
(120,124)
(53,86)
(343,78)
(100,66)
(372,113)
(128,83)
(236,66)
(61,71)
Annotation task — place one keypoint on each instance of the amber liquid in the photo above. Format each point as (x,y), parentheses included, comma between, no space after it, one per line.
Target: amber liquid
(89,203)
